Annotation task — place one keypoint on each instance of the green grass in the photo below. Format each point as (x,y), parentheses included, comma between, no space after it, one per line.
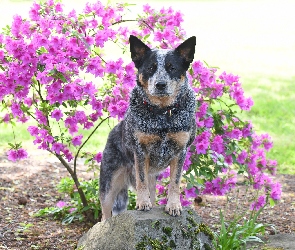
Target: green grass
(274,113)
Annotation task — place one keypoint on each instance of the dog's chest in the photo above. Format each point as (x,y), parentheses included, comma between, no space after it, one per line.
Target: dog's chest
(162,148)
(172,121)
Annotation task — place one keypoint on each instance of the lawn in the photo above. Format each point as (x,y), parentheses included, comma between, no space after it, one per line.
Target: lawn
(241,37)
(274,112)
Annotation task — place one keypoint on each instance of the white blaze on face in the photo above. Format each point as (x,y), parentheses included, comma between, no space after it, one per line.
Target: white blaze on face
(161,75)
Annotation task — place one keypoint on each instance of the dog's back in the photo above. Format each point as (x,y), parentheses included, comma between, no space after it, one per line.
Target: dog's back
(157,129)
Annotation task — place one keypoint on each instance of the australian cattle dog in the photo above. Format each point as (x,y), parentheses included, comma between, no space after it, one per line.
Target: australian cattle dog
(155,133)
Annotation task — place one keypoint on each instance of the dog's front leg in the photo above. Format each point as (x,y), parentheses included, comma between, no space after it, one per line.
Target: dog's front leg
(142,186)
(173,206)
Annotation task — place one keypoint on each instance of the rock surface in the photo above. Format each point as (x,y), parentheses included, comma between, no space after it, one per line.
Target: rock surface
(148,230)
(275,242)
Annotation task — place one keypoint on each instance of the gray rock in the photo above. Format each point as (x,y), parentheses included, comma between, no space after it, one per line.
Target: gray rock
(275,242)
(148,230)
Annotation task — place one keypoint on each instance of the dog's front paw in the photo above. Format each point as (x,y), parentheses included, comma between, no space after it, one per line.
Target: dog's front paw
(173,208)
(144,205)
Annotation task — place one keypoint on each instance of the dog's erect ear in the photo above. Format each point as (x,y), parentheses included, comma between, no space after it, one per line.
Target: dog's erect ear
(187,50)
(138,49)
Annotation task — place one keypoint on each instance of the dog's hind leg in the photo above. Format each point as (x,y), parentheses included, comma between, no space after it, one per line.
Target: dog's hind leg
(120,202)
(112,194)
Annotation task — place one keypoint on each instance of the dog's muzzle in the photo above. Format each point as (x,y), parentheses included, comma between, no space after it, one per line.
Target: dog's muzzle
(161,85)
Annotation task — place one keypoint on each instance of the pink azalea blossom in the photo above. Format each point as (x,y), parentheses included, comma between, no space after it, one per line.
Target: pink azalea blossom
(61,204)
(98,157)
(57,114)
(190,193)
(77,140)
(17,154)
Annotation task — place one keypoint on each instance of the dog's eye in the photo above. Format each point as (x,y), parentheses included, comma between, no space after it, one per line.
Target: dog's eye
(170,67)
(152,68)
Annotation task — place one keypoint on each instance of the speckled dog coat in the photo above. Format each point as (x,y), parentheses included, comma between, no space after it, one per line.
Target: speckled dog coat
(156,131)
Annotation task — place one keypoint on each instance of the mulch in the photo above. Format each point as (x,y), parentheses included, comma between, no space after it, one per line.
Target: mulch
(29,185)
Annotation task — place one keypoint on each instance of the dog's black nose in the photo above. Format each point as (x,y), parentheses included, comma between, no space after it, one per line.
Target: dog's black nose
(161,85)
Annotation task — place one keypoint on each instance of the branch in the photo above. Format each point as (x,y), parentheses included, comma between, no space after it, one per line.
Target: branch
(79,149)
(144,22)
(66,165)
(99,56)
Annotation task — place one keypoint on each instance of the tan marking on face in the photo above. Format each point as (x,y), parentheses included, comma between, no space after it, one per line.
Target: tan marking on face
(146,139)
(162,101)
(143,83)
(181,138)
(182,78)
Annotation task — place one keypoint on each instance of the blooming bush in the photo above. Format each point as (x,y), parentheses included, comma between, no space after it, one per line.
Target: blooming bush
(46,59)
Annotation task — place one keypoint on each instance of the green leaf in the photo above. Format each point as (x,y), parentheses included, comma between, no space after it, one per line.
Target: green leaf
(271,202)
(189,186)
(146,36)
(61,77)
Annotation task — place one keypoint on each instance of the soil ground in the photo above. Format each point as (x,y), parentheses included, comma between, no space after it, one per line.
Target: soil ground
(32,182)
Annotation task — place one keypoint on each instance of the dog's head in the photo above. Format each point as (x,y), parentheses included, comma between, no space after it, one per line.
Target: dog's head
(161,72)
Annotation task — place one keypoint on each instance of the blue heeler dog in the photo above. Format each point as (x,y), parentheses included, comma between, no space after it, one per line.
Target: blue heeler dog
(157,129)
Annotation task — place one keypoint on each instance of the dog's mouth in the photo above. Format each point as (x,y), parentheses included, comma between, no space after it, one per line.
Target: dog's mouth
(161,93)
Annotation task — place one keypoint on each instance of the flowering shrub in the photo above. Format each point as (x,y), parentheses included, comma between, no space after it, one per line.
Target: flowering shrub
(73,210)
(45,60)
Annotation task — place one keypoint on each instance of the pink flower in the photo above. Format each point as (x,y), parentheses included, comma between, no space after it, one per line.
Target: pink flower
(187,161)
(160,189)
(236,134)
(165,174)
(201,148)
(242,157)
(118,109)
(41,118)
(113,67)
(57,114)
(16,109)
(77,140)
(17,154)
(147,8)
(190,193)
(61,204)
(228,159)
(80,117)
(217,144)
(184,202)
(73,209)
(259,203)
(276,191)
(57,147)
(98,157)
(34,131)
(209,122)
(162,201)
(6,118)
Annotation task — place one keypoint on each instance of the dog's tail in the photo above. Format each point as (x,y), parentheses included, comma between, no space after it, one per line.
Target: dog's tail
(120,202)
